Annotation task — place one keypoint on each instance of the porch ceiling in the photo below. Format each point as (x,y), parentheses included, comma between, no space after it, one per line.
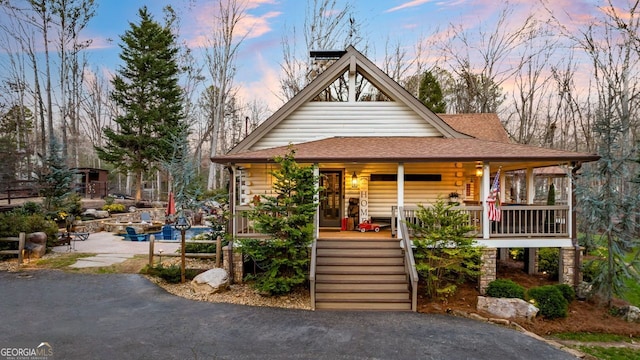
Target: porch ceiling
(413,149)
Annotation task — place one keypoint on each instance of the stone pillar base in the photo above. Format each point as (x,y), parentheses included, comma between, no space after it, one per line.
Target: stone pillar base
(567,266)
(488,268)
(233,262)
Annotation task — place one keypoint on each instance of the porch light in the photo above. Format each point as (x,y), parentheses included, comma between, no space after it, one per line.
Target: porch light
(354,180)
(478,169)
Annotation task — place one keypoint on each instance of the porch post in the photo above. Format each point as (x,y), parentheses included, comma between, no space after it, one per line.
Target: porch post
(400,195)
(485,185)
(316,197)
(531,187)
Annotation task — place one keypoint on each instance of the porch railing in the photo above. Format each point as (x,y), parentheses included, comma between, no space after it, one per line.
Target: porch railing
(243,225)
(409,261)
(517,220)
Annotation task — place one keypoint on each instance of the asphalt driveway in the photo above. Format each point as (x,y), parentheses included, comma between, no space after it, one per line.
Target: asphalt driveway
(118,316)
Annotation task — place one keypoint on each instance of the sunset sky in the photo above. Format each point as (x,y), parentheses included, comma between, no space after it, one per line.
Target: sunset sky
(261,52)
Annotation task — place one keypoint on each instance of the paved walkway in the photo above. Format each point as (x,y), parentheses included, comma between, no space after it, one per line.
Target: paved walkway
(119,316)
(111,249)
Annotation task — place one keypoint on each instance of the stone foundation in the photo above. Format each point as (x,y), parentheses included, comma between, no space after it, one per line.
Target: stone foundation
(488,268)
(235,267)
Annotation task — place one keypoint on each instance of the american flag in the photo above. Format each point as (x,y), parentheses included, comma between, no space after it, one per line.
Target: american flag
(493,200)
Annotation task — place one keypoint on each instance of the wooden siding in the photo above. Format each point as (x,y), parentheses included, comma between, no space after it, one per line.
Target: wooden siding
(321,120)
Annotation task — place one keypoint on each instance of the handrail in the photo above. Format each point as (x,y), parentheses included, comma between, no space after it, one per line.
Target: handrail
(409,260)
(312,272)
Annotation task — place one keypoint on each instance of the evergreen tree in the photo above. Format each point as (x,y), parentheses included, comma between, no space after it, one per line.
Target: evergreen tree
(55,179)
(430,93)
(288,218)
(146,89)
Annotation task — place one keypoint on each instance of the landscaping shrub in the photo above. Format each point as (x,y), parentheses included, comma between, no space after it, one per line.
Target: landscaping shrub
(14,222)
(114,208)
(548,259)
(505,288)
(517,254)
(589,270)
(171,274)
(567,292)
(550,301)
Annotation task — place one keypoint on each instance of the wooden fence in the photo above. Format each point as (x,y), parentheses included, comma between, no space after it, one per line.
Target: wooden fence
(20,251)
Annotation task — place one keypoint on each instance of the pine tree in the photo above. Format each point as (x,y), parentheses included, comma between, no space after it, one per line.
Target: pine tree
(146,89)
(430,93)
(55,179)
(288,218)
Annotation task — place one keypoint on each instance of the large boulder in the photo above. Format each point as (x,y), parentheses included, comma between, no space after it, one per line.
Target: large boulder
(211,281)
(631,313)
(507,308)
(36,245)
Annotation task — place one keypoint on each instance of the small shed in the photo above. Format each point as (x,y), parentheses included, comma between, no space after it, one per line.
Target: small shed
(91,182)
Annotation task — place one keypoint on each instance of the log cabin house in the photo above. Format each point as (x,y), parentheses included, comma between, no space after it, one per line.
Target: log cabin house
(380,152)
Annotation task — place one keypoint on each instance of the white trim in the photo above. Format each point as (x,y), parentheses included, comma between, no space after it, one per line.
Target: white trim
(485,188)
(525,243)
(531,186)
(400,196)
(316,198)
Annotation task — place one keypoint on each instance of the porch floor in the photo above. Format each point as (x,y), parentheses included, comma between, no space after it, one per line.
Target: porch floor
(354,234)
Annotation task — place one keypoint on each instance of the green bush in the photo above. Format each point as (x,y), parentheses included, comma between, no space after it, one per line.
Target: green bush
(171,274)
(114,208)
(548,260)
(505,288)
(517,254)
(195,247)
(550,301)
(567,292)
(14,222)
(589,270)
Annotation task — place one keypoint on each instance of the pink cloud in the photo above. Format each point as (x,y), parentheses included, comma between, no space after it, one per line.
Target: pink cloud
(407,5)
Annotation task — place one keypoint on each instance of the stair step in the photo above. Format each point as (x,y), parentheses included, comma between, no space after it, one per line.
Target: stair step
(323,305)
(359,261)
(358,244)
(363,297)
(361,269)
(397,252)
(361,278)
(362,287)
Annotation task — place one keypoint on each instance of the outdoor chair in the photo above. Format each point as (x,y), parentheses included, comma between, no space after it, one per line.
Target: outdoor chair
(145,217)
(131,235)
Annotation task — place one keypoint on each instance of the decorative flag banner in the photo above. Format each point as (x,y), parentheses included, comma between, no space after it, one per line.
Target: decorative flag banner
(493,200)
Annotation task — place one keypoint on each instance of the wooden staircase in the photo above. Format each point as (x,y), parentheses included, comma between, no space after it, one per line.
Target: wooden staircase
(361,274)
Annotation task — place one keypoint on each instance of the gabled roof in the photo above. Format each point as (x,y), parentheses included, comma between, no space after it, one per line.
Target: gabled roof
(352,60)
(409,149)
(479,126)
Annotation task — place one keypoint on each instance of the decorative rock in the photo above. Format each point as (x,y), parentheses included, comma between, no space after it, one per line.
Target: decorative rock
(631,313)
(36,244)
(507,308)
(101,214)
(211,281)
(583,290)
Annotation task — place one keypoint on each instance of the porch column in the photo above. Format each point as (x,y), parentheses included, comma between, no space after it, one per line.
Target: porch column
(316,198)
(531,187)
(485,185)
(232,201)
(488,269)
(400,195)
(567,267)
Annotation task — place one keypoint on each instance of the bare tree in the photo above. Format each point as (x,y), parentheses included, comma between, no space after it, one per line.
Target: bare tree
(221,56)
(326,27)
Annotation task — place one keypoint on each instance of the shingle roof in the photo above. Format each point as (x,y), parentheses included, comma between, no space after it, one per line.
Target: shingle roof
(480,126)
(408,149)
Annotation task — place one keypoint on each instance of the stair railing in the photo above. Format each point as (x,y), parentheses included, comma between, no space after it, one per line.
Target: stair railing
(409,261)
(312,272)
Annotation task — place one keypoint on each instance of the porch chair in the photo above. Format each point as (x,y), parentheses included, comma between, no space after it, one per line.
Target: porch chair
(131,235)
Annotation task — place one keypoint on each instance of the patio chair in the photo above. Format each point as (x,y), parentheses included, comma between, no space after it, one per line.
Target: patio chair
(131,235)
(145,217)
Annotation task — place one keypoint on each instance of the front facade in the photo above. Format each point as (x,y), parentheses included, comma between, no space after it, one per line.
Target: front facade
(381,153)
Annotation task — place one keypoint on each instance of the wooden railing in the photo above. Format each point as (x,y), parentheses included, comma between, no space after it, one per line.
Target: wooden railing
(243,225)
(20,239)
(409,213)
(517,220)
(409,261)
(312,272)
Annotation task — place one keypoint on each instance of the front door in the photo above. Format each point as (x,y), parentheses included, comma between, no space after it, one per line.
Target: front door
(331,198)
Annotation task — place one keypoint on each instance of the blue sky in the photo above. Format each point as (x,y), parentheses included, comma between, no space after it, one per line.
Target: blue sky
(261,52)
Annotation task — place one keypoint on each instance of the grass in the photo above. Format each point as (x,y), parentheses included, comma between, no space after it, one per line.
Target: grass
(62,261)
(592,337)
(610,353)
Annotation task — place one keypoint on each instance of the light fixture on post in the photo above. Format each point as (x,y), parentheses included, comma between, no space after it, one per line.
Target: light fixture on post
(182,225)
(478,169)
(354,180)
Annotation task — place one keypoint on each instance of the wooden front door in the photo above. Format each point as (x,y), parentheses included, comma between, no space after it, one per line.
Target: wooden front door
(331,198)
